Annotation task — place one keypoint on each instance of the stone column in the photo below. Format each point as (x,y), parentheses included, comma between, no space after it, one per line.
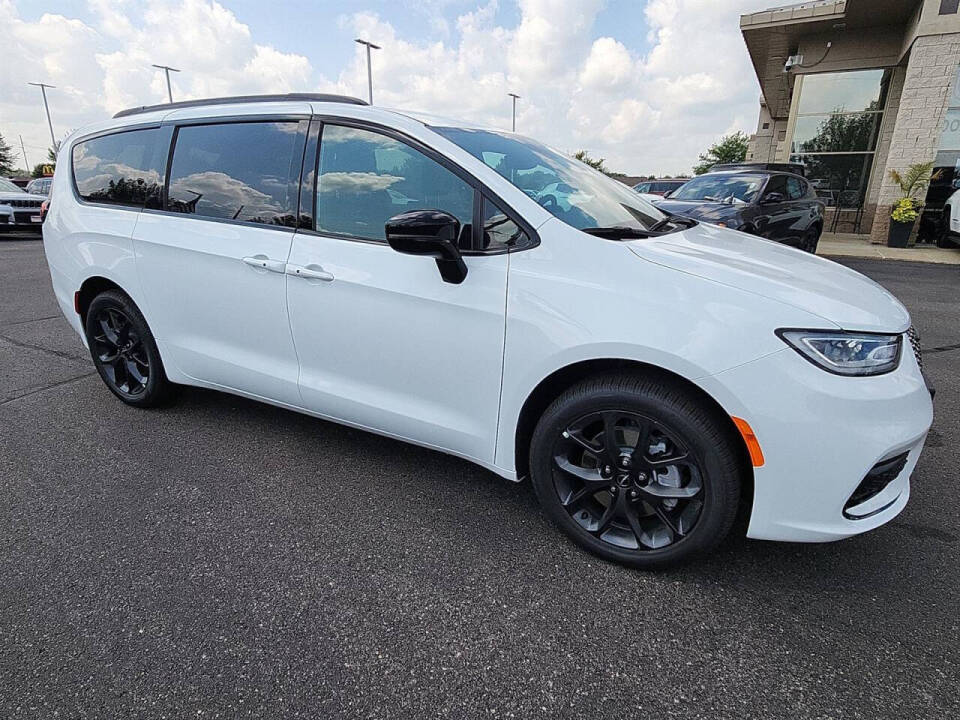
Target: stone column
(927,87)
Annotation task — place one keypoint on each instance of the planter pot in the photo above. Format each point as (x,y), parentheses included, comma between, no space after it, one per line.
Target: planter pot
(899,233)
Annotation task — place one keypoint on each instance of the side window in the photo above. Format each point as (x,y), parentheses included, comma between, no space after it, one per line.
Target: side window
(237,171)
(365,178)
(122,169)
(643,187)
(776,184)
(795,188)
(499,231)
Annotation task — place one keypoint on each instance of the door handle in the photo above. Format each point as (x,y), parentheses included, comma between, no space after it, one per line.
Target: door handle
(310,272)
(264,263)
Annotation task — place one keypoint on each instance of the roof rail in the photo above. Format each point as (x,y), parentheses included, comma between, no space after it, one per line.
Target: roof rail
(314,97)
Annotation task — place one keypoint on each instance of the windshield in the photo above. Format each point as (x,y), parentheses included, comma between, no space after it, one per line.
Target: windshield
(720,188)
(567,188)
(7,186)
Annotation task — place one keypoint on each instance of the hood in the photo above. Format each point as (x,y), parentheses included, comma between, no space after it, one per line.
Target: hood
(818,286)
(7,196)
(700,209)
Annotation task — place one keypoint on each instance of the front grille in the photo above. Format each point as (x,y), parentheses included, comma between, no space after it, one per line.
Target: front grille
(880,475)
(23,203)
(23,218)
(914,338)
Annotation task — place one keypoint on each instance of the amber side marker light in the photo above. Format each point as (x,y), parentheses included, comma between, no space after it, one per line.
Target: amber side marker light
(753,445)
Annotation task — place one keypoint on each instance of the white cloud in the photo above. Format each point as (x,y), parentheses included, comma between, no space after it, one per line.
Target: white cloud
(645,112)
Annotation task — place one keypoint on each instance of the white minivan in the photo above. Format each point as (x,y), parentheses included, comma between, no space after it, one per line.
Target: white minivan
(473,291)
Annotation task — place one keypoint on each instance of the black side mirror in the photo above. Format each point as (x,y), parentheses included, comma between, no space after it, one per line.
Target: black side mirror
(773,197)
(667,194)
(432,233)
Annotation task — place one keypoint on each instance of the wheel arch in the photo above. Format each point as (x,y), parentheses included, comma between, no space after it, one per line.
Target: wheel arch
(89,289)
(557,382)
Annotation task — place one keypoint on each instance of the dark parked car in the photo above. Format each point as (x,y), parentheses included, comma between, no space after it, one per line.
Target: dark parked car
(779,206)
(659,187)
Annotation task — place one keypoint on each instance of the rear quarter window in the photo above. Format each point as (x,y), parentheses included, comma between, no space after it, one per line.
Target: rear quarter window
(123,168)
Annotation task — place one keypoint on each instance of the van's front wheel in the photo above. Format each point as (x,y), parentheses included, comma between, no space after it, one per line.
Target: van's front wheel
(636,470)
(124,351)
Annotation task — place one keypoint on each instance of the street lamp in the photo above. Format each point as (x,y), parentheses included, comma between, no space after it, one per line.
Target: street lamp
(370,46)
(167,69)
(43,88)
(514,96)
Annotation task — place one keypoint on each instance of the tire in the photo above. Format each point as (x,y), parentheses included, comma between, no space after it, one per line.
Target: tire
(811,238)
(943,230)
(124,351)
(636,515)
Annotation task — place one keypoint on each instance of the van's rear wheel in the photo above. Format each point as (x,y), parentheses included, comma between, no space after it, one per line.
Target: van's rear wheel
(636,470)
(124,351)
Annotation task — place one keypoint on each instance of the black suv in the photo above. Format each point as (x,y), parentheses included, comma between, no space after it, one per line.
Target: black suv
(773,204)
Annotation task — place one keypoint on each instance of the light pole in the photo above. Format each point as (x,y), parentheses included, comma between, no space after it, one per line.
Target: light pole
(514,96)
(167,69)
(43,88)
(370,46)
(24,150)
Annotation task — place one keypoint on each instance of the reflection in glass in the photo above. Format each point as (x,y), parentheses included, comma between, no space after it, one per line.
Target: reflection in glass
(838,179)
(499,231)
(855,91)
(836,133)
(366,178)
(119,169)
(720,187)
(567,188)
(236,171)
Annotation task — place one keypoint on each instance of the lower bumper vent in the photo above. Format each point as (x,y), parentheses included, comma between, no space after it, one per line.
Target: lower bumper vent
(875,481)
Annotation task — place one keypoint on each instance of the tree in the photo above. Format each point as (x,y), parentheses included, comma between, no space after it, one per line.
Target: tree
(584,157)
(52,155)
(731,149)
(6,158)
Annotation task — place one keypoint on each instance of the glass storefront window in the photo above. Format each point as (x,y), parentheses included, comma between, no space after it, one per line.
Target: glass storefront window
(855,91)
(836,129)
(836,133)
(839,179)
(947,161)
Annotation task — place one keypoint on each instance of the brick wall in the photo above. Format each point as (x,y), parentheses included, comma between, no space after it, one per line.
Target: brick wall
(927,85)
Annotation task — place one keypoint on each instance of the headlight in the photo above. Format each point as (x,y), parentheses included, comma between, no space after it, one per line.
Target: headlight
(846,353)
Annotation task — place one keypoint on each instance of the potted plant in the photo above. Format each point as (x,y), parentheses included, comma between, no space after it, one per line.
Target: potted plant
(907,209)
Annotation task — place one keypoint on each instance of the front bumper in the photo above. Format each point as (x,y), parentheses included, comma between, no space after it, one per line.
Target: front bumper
(821,435)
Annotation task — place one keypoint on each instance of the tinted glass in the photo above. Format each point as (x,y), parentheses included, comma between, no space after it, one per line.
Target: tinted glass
(642,187)
(840,178)
(776,184)
(567,188)
(720,187)
(237,171)
(366,178)
(795,188)
(499,231)
(836,133)
(844,91)
(124,168)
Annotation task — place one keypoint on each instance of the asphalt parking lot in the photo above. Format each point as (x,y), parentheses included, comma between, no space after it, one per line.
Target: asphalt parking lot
(224,558)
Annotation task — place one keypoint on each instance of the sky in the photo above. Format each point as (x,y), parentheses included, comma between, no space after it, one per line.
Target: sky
(645,84)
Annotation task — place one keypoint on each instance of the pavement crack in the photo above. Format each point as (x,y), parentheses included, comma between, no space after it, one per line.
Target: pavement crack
(942,348)
(57,384)
(27,322)
(40,348)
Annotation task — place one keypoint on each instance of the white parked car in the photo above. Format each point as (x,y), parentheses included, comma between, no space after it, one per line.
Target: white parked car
(19,210)
(395,273)
(949,231)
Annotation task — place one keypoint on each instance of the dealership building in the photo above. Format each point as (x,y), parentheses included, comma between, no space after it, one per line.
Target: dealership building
(853,89)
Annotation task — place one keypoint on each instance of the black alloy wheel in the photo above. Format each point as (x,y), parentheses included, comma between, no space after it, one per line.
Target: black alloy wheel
(120,352)
(628,480)
(640,470)
(124,351)
(811,238)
